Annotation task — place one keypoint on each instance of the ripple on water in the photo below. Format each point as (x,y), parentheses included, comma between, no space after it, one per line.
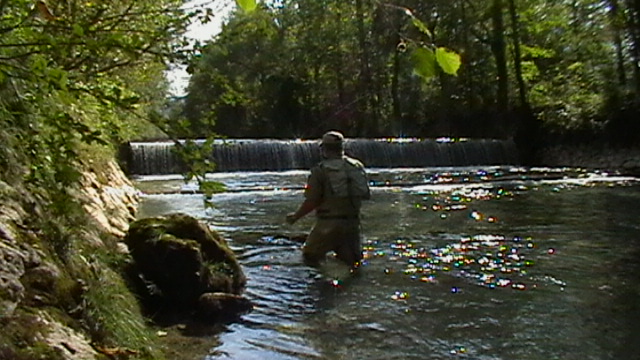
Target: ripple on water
(403,307)
(278,282)
(255,343)
(282,289)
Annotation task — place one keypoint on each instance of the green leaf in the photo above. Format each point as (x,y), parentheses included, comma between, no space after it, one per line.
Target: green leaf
(420,25)
(448,60)
(247,5)
(78,30)
(211,187)
(424,62)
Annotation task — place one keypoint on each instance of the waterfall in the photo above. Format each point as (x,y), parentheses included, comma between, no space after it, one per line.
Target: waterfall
(156,158)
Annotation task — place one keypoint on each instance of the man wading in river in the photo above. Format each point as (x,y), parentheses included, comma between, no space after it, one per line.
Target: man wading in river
(335,190)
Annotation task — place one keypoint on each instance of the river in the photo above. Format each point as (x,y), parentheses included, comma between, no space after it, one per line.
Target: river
(461,263)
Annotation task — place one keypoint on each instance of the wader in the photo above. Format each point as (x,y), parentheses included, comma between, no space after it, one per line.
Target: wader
(341,235)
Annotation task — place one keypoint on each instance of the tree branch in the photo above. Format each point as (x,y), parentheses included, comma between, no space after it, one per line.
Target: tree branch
(18,56)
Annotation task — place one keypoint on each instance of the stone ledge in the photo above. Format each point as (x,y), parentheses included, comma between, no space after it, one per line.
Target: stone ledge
(626,161)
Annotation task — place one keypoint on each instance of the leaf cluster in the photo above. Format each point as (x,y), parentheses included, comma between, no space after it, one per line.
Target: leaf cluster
(79,73)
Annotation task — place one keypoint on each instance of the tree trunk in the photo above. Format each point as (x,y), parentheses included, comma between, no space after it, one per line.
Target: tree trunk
(614,14)
(634,31)
(365,83)
(339,66)
(515,29)
(395,94)
(526,135)
(467,75)
(498,48)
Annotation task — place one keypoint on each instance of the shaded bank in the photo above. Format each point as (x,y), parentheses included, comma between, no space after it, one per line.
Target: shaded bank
(622,160)
(65,289)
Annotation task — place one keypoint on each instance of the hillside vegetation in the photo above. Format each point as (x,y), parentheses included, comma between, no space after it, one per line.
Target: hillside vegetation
(77,78)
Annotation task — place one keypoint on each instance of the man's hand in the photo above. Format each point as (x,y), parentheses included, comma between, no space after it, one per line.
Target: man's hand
(291,218)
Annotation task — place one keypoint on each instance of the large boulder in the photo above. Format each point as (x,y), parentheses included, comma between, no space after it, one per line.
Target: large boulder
(179,259)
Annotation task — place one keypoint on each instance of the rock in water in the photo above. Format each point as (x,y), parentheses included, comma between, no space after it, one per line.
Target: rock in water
(222,306)
(182,259)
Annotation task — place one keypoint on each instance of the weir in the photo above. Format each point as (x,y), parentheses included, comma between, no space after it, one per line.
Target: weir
(159,158)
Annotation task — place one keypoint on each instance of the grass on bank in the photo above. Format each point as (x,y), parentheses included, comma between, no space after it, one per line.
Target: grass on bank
(109,311)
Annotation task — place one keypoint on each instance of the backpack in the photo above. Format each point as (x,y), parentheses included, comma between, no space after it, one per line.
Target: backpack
(347,178)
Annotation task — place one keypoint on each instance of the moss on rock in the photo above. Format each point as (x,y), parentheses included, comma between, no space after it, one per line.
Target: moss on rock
(178,259)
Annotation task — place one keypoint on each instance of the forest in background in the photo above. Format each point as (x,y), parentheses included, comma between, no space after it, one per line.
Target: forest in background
(534,70)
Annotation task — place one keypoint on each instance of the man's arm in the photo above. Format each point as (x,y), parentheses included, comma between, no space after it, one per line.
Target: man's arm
(312,195)
(306,207)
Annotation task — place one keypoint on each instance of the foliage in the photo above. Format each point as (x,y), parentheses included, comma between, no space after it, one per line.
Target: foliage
(198,156)
(247,5)
(297,67)
(426,59)
(75,71)
(78,78)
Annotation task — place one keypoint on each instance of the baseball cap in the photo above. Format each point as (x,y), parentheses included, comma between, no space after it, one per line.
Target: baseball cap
(332,137)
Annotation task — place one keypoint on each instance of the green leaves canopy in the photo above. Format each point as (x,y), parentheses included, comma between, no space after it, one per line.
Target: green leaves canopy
(448,60)
(80,73)
(426,62)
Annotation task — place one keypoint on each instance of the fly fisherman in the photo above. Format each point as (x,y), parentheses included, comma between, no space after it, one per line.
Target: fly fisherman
(335,190)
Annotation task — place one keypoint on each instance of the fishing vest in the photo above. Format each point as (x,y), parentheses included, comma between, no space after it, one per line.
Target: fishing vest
(347,178)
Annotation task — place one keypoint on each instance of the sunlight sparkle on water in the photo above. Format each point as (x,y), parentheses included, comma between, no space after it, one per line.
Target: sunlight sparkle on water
(400,295)
(476,215)
(458,350)
(487,260)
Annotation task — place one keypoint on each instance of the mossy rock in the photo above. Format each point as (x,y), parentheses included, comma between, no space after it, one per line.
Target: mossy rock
(181,259)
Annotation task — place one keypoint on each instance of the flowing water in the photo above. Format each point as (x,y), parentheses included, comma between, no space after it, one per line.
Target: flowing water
(461,263)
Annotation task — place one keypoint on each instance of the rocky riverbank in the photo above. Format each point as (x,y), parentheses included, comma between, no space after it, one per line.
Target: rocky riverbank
(52,270)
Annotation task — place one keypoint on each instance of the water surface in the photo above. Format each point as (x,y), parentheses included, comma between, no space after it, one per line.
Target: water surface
(470,263)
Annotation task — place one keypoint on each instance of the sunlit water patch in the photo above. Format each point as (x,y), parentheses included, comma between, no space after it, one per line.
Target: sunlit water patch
(491,261)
